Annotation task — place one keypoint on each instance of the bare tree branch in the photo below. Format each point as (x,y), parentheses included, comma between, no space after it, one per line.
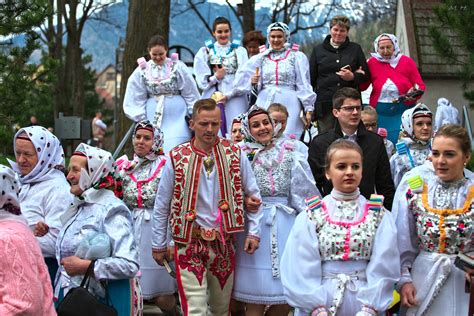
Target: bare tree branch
(235,12)
(203,20)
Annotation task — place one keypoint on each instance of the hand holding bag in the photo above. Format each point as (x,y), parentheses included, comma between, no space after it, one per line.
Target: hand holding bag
(80,302)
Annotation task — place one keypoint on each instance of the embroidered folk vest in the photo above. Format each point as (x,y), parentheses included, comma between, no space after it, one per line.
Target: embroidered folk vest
(446,231)
(139,192)
(346,240)
(187,163)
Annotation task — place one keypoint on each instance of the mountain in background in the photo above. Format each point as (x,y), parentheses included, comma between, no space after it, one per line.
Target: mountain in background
(103,30)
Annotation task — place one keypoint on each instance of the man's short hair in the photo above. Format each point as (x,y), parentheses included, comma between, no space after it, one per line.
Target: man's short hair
(341,20)
(342,94)
(203,105)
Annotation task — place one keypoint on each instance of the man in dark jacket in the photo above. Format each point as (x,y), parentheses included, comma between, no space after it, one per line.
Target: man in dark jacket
(376,176)
(334,64)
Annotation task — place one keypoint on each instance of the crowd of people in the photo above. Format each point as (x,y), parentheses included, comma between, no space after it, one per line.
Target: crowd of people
(222,206)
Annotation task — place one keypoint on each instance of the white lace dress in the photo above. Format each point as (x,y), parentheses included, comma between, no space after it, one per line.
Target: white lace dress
(435,222)
(342,255)
(139,192)
(284,78)
(284,179)
(231,58)
(168,89)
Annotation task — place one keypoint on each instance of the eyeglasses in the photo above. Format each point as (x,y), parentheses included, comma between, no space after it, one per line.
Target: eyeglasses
(351,108)
(371,125)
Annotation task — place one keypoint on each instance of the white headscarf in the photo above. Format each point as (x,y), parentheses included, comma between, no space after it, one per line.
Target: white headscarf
(444,102)
(9,189)
(409,115)
(49,151)
(278,26)
(448,112)
(99,165)
(99,176)
(393,60)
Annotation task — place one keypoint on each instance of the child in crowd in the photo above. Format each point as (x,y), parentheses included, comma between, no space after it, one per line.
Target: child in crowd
(369,118)
(279,114)
(335,260)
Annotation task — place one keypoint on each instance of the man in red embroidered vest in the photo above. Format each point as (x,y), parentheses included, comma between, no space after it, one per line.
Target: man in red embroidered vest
(201,198)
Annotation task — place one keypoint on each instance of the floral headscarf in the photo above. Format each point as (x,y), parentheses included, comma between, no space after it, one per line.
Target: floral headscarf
(9,189)
(49,151)
(393,61)
(248,137)
(100,174)
(409,115)
(99,166)
(237,119)
(127,166)
(157,147)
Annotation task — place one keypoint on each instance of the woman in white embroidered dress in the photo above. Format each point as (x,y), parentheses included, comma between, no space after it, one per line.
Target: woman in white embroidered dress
(281,74)
(140,183)
(435,221)
(341,255)
(163,91)
(417,131)
(284,179)
(215,66)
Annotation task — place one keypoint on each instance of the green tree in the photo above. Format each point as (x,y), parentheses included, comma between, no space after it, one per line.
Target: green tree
(29,89)
(453,39)
(17,76)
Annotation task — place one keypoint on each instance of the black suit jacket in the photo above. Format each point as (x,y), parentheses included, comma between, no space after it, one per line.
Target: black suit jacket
(376,173)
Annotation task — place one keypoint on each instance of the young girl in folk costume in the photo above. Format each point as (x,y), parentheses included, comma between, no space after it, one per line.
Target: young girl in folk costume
(279,114)
(140,183)
(284,179)
(281,74)
(341,255)
(415,144)
(215,66)
(162,91)
(435,222)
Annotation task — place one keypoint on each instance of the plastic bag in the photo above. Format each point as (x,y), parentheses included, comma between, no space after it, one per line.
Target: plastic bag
(94,246)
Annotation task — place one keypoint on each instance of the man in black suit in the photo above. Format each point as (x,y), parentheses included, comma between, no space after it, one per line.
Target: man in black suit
(376,176)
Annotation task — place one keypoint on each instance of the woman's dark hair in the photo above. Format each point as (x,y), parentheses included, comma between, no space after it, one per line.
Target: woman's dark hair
(341,144)
(458,133)
(254,36)
(220,20)
(157,40)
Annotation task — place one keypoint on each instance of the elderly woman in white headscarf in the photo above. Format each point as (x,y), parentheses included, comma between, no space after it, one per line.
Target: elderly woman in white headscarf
(98,211)
(44,194)
(446,113)
(415,144)
(25,286)
(141,177)
(392,75)
(285,180)
(281,75)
